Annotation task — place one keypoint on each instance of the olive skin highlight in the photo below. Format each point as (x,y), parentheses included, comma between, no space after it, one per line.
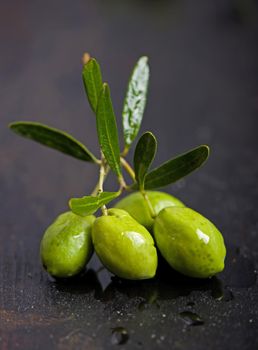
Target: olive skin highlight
(137,207)
(189,242)
(66,246)
(124,246)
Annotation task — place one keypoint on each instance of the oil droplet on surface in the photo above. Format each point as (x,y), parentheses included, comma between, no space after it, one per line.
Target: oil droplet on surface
(228,295)
(119,336)
(219,292)
(191,318)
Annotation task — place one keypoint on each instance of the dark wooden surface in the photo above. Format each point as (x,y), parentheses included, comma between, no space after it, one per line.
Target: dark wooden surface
(204,89)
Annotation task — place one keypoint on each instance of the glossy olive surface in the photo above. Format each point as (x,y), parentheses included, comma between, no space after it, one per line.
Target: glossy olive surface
(66,246)
(137,207)
(189,242)
(124,246)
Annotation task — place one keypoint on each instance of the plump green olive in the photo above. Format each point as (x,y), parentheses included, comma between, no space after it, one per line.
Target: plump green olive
(66,246)
(137,207)
(124,246)
(189,242)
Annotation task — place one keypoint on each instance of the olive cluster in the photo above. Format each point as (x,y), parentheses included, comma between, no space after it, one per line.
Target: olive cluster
(126,240)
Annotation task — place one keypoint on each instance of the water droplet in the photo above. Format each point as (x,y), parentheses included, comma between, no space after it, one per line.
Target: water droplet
(191,318)
(228,295)
(219,292)
(119,336)
(216,289)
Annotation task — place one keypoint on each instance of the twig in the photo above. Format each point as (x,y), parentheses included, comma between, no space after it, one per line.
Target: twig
(128,168)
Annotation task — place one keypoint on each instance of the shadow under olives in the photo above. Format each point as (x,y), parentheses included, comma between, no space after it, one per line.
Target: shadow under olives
(166,285)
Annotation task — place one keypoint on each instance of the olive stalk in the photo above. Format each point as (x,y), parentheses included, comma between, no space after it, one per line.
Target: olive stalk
(102,174)
(125,151)
(128,168)
(123,185)
(150,207)
(104,171)
(131,172)
(96,188)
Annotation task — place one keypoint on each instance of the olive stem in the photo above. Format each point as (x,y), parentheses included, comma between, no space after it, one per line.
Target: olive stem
(145,196)
(121,183)
(128,168)
(103,172)
(125,151)
(102,175)
(96,188)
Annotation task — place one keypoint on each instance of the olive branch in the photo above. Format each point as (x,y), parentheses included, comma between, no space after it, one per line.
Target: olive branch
(111,158)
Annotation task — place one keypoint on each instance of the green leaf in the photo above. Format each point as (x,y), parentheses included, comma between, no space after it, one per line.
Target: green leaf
(107,130)
(176,168)
(143,156)
(53,138)
(89,204)
(92,81)
(135,100)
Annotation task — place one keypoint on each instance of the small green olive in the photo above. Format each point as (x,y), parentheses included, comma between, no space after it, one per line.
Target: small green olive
(124,246)
(66,246)
(137,207)
(189,242)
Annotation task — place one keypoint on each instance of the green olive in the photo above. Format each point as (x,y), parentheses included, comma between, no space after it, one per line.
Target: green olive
(137,207)
(66,246)
(124,246)
(189,242)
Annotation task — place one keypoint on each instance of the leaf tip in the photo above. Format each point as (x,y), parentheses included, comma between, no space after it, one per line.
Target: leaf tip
(105,91)
(85,58)
(143,59)
(11,125)
(150,133)
(207,149)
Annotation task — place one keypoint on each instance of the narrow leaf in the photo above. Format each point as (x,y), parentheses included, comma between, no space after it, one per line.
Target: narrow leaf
(53,138)
(107,130)
(92,81)
(143,156)
(176,168)
(89,204)
(135,100)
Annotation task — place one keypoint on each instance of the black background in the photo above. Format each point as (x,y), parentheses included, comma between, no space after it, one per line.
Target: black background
(203,89)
